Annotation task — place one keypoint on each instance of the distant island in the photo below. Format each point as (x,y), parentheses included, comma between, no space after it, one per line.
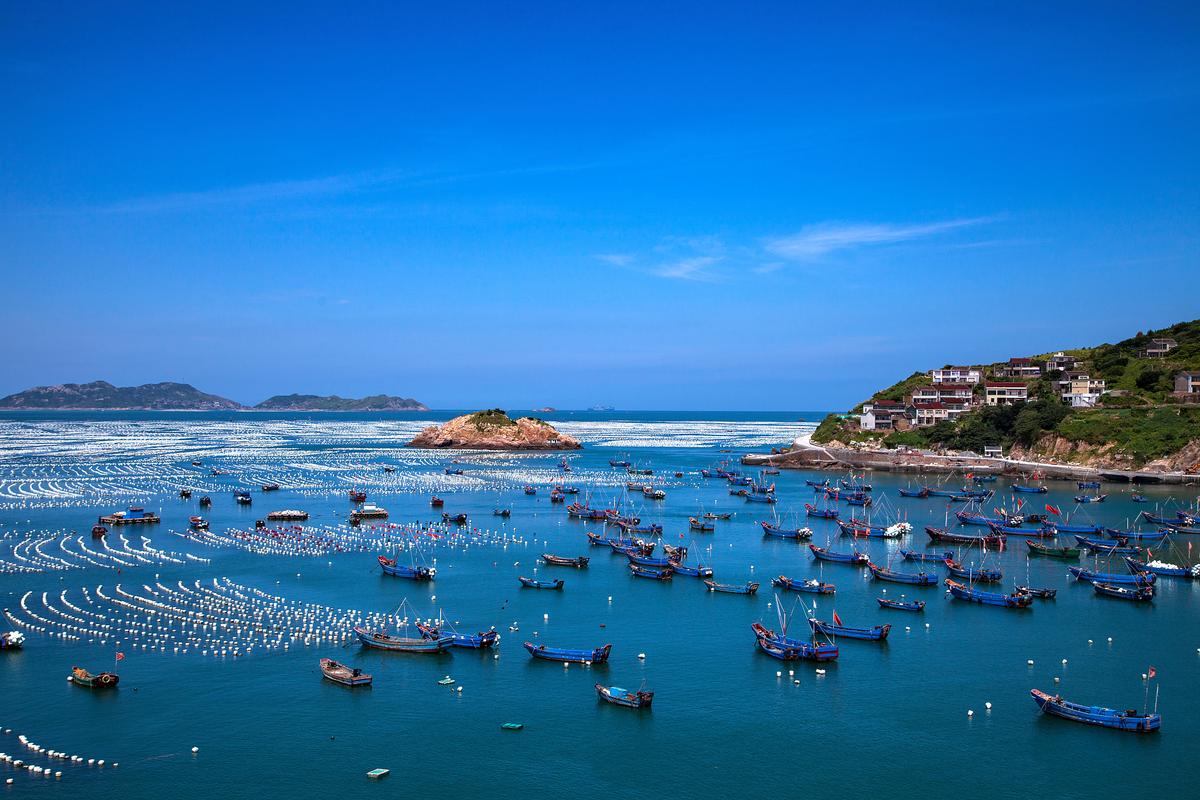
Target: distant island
(1131,406)
(103,396)
(312,402)
(545,410)
(494,430)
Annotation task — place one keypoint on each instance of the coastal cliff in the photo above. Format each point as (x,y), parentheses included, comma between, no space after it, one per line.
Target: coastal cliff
(494,430)
(103,396)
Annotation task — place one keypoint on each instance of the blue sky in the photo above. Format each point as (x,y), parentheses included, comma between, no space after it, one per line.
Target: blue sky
(690,207)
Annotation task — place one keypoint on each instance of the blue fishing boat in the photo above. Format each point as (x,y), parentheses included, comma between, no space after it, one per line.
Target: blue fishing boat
(475,641)
(1084,529)
(1016,487)
(1090,498)
(597,656)
(579,562)
(1088,484)
(1040,593)
(932,492)
(854,487)
(974,518)
(1163,569)
(825,554)
(823,513)
(915,579)
(877,633)
(1155,519)
(921,493)
(754,497)
(411,572)
(993,541)
(1139,579)
(1187,529)
(1138,498)
(916,555)
(785,648)
(972,574)
(811,586)
(691,572)
(382,640)
(530,583)
(732,588)
(858,500)
(1108,546)
(785,533)
(963,592)
(646,561)
(1138,593)
(818,484)
(983,478)
(901,605)
(1152,536)
(1096,715)
(701,526)
(654,573)
(623,697)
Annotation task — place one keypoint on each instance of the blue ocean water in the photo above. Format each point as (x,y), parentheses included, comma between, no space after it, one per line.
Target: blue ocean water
(891,714)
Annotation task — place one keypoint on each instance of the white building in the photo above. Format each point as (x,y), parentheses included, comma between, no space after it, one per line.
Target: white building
(1001,393)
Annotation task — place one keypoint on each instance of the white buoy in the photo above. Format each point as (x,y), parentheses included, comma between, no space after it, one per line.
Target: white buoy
(195,749)
(460,690)
(1030,662)
(1064,661)
(988,706)
(778,673)
(970,713)
(641,656)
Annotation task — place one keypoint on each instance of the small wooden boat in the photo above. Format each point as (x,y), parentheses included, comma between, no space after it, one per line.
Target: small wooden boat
(1017,487)
(1062,527)
(817,484)
(700,525)
(1108,546)
(340,673)
(825,554)
(205,501)
(647,561)
(877,633)
(382,640)
(597,656)
(1134,579)
(243,498)
(914,579)
(530,583)
(1096,715)
(357,496)
(691,572)
(1039,549)
(411,572)
(654,573)
(811,586)
(785,533)
(916,555)
(921,493)
(104,680)
(732,588)
(185,494)
(197,522)
(901,605)
(531,490)
(579,562)
(786,648)
(270,487)
(1088,485)
(512,726)
(436,502)
(454,519)
(99,531)
(712,515)
(822,513)
(973,595)
(973,574)
(1138,498)
(470,641)
(1090,498)
(1140,592)
(993,541)
(1040,593)
(501,512)
(623,697)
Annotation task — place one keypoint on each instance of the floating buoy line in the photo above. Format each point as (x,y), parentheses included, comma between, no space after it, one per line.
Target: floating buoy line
(55,759)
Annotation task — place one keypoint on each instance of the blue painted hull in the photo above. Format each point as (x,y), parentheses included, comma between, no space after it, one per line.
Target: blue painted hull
(875,634)
(962,592)
(919,579)
(544,653)
(383,641)
(825,554)
(1096,715)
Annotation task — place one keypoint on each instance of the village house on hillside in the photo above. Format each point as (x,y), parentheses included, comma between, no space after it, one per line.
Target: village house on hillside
(960,375)
(1061,361)
(1081,390)
(1158,348)
(1001,393)
(883,415)
(943,392)
(1019,368)
(1187,387)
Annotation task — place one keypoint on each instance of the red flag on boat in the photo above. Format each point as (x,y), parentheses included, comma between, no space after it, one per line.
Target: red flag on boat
(838,621)
(1053,510)
(1020,503)
(120,656)
(1150,673)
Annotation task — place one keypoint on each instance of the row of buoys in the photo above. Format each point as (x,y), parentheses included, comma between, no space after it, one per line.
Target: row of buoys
(58,755)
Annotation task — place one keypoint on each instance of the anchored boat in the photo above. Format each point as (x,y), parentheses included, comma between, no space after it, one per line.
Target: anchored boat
(1096,715)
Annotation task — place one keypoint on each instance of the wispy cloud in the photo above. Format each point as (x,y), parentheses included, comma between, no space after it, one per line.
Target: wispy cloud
(616,259)
(814,241)
(692,269)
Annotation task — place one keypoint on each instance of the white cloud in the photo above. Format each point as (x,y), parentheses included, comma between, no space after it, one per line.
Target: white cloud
(814,241)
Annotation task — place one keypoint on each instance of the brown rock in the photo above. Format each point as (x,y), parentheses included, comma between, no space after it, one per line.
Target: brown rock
(494,430)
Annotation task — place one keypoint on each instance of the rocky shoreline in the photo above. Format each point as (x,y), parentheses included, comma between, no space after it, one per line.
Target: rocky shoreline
(805,455)
(494,430)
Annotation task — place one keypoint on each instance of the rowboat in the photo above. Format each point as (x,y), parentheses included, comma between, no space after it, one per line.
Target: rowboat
(700,525)
(1039,549)
(732,588)
(875,634)
(1124,592)
(340,673)
(901,605)
(1014,600)
(825,554)
(105,680)
(918,579)
(531,583)
(972,574)
(811,586)
(579,562)
(623,697)
(198,523)
(357,496)
(597,656)
(436,502)
(1096,715)
(785,533)
(1139,579)
(915,555)
(414,573)
(787,649)
(386,641)
(654,573)
(1163,569)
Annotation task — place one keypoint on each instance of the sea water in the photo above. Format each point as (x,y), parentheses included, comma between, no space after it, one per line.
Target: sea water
(889,717)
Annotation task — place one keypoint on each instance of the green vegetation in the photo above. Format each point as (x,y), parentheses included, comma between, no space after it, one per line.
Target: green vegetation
(312,402)
(1142,433)
(828,430)
(103,395)
(491,418)
(900,390)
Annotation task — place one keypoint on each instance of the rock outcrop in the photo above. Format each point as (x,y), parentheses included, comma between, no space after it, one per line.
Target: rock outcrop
(494,430)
